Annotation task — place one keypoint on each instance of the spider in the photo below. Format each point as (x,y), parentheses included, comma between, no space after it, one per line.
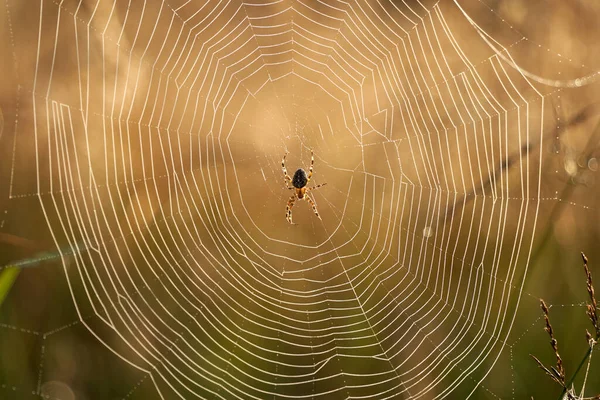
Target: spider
(299,182)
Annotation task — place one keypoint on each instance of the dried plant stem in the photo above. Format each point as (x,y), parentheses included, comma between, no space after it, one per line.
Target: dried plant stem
(572,379)
(587,370)
(557,374)
(592,307)
(592,312)
(559,364)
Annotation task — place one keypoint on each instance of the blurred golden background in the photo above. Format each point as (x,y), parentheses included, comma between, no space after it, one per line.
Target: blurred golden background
(141,193)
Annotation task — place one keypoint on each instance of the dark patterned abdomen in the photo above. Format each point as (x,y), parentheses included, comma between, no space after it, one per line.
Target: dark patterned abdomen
(300,179)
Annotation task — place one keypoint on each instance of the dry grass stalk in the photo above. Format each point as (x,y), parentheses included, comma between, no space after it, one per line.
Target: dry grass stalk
(592,307)
(558,373)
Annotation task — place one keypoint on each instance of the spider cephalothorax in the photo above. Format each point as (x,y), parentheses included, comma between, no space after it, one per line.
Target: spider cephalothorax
(299,182)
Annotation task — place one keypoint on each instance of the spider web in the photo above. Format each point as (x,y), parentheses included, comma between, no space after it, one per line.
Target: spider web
(159,167)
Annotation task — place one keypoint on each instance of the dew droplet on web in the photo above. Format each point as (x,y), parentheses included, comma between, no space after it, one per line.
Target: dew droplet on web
(427,232)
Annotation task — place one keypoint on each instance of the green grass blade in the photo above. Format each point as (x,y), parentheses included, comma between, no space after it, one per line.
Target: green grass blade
(7,278)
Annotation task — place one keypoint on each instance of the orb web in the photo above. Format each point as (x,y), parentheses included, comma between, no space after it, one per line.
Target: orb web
(162,157)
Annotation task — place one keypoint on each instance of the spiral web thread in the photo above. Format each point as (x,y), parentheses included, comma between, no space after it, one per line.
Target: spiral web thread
(160,161)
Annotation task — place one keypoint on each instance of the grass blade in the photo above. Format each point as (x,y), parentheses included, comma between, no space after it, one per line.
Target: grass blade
(7,279)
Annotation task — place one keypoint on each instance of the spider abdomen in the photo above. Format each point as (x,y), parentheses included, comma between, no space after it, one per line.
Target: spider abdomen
(300,179)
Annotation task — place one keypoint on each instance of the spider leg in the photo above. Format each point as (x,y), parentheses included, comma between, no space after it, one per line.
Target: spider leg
(312,203)
(288,209)
(288,180)
(312,162)
(315,187)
